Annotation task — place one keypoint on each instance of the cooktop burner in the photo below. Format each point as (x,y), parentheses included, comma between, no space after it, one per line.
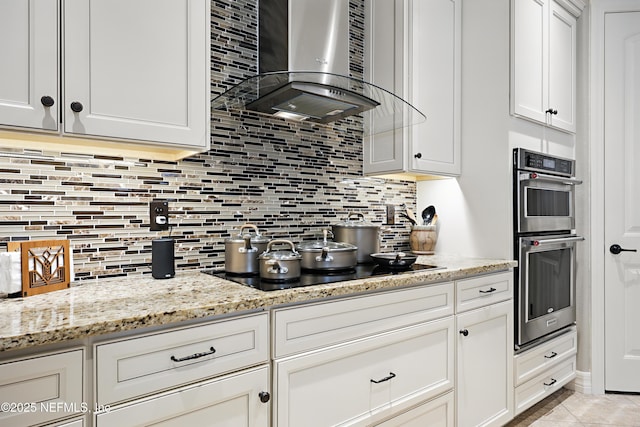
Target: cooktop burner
(314,277)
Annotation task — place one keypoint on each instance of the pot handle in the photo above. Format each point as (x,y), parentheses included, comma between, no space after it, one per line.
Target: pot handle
(248,225)
(281,241)
(358,214)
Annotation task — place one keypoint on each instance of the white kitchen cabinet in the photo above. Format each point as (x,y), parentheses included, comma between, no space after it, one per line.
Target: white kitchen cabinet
(413,49)
(543,61)
(29,56)
(328,355)
(128,71)
(365,379)
(484,376)
(234,400)
(42,388)
(544,369)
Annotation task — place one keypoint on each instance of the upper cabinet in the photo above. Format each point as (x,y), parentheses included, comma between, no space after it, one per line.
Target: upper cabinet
(412,48)
(125,71)
(543,61)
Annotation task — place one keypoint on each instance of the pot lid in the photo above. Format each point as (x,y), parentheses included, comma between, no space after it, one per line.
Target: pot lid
(358,222)
(240,236)
(281,255)
(318,245)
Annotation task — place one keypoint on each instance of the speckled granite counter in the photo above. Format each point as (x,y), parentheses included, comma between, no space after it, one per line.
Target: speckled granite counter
(106,306)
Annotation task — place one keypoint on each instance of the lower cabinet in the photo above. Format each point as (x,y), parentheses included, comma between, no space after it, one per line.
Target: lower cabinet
(43,388)
(484,377)
(366,380)
(544,369)
(233,400)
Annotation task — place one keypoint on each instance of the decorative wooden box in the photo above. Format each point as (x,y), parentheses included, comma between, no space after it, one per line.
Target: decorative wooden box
(46,265)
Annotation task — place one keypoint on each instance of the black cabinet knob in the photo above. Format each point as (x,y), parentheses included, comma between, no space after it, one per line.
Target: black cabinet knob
(616,249)
(264,396)
(47,101)
(76,107)
(418,155)
(464,332)
(551,111)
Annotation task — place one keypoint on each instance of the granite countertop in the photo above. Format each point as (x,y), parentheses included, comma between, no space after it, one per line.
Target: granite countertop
(106,306)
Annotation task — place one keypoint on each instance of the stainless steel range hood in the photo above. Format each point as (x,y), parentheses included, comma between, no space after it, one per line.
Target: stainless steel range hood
(304,71)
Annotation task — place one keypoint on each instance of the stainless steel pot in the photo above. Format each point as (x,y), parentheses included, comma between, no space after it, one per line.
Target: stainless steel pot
(364,235)
(327,255)
(280,265)
(241,251)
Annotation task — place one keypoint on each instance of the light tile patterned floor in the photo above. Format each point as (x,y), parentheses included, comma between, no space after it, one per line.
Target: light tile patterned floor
(567,408)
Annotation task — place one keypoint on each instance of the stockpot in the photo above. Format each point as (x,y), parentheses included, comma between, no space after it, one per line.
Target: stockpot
(327,255)
(364,235)
(241,251)
(280,265)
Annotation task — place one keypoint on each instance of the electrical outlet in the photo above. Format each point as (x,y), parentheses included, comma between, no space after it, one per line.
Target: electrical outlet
(158,215)
(391,214)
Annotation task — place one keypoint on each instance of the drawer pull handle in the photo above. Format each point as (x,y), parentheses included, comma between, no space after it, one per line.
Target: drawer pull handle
(464,332)
(194,356)
(551,383)
(551,356)
(489,291)
(391,375)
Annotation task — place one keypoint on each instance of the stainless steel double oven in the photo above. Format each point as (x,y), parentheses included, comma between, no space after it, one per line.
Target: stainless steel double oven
(544,245)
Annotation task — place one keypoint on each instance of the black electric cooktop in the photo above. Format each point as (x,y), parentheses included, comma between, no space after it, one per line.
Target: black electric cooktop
(315,277)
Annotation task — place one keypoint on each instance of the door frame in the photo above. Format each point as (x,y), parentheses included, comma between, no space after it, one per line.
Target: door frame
(597,252)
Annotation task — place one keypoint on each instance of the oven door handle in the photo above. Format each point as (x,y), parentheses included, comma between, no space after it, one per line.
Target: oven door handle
(539,242)
(532,176)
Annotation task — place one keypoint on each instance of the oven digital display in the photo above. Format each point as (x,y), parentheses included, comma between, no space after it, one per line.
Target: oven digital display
(548,163)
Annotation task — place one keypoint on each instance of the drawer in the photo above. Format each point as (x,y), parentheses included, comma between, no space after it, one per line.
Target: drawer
(436,412)
(74,423)
(308,327)
(142,365)
(43,388)
(545,384)
(484,290)
(540,358)
(231,400)
(367,379)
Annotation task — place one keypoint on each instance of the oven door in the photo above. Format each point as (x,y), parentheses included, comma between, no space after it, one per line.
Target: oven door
(544,202)
(546,290)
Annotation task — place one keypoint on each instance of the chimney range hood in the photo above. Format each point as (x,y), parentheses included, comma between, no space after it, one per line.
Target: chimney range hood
(303,63)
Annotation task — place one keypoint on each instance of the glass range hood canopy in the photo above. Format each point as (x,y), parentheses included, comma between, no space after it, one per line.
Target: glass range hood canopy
(320,97)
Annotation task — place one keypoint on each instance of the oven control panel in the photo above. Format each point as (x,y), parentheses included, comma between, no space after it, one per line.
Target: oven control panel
(533,161)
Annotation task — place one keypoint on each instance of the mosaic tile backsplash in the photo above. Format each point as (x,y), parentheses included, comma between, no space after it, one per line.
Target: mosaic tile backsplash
(289,179)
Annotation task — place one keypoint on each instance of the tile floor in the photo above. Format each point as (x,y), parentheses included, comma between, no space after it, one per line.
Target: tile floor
(567,408)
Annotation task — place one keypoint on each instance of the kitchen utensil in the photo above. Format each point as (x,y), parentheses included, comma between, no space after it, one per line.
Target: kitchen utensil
(364,235)
(413,222)
(423,239)
(427,214)
(327,255)
(280,265)
(241,251)
(394,260)
(411,215)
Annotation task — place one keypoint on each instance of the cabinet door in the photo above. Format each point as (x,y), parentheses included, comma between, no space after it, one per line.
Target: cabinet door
(230,401)
(484,379)
(434,53)
(529,58)
(562,68)
(137,70)
(29,63)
